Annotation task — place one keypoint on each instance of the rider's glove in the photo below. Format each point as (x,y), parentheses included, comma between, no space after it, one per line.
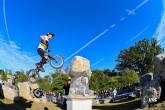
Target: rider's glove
(48,50)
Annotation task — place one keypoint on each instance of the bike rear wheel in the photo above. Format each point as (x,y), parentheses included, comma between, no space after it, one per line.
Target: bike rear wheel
(33,76)
(57,61)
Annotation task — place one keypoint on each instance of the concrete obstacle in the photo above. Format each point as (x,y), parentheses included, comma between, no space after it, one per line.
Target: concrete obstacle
(79,93)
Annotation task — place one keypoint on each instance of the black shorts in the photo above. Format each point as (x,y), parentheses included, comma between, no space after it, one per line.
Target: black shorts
(41,52)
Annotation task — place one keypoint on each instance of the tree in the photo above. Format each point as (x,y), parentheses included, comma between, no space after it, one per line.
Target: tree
(20,77)
(3,75)
(98,81)
(45,84)
(139,57)
(109,73)
(59,82)
(129,76)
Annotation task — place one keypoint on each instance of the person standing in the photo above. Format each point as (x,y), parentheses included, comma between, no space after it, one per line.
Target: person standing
(66,87)
(114,93)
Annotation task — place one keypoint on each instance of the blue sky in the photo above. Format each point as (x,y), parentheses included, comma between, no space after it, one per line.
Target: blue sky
(94,29)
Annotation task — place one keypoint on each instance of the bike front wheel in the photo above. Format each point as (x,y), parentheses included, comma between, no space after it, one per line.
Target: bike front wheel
(33,76)
(57,61)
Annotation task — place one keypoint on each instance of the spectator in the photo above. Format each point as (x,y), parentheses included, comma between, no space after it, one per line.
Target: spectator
(110,91)
(66,87)
(114,93)
(54,97)
(102,94)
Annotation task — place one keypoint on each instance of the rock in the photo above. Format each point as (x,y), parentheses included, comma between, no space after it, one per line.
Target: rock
(80,86)
(152,91)
(80,67)
(26,91)
(159,65)
(9,91)
(11,79)
(145,79)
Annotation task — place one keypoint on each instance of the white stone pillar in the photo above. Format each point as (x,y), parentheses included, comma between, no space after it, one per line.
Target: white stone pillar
(79,102)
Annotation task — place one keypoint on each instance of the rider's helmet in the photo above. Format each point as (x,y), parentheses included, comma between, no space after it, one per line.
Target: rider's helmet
(50,33)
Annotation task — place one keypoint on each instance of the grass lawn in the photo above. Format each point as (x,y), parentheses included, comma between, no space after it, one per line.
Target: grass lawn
(124,104)
(27,105)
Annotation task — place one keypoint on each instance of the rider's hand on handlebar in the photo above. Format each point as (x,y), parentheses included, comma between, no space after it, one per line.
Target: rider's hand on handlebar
(48,50)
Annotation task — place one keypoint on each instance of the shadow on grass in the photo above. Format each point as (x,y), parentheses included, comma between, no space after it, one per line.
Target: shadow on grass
(61,106)
(135,104)
(124,100)
(22,104)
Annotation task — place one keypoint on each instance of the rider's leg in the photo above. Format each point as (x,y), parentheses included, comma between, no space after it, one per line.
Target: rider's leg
(42,54)
(44,60)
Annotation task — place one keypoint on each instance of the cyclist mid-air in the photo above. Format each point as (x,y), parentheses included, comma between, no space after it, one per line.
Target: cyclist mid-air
(42,49)
(56,60)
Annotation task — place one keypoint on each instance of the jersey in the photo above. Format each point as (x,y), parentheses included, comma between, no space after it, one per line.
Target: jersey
(44,45)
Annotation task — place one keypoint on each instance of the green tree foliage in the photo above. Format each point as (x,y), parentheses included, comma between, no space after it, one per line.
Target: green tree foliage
(59,81)
(20,77)
(45,83)
(3,75)
(109,73)
(139,57)
(129,76)
(98,80)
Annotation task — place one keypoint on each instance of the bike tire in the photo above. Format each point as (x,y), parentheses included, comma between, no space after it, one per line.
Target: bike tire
(38,93)
(35,79)
(61,64)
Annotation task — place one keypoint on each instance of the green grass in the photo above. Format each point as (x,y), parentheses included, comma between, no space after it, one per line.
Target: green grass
(124,104)
(27,105)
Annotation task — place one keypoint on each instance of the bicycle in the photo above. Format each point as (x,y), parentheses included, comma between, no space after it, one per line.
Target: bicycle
(56,61)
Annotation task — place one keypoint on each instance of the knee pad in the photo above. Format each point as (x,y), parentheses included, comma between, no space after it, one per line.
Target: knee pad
(46,58)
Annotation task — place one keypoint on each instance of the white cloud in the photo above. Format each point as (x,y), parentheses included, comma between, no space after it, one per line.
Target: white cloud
(12,58)
(13,45)
(160,31)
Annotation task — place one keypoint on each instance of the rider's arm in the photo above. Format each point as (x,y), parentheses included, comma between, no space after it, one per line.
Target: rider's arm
(42,37)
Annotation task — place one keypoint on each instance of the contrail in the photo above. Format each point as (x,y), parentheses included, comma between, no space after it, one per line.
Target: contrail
(5,19)
(141,4)
(130,12)
(104,32)
(97,62)
(141,32)
(112,26)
